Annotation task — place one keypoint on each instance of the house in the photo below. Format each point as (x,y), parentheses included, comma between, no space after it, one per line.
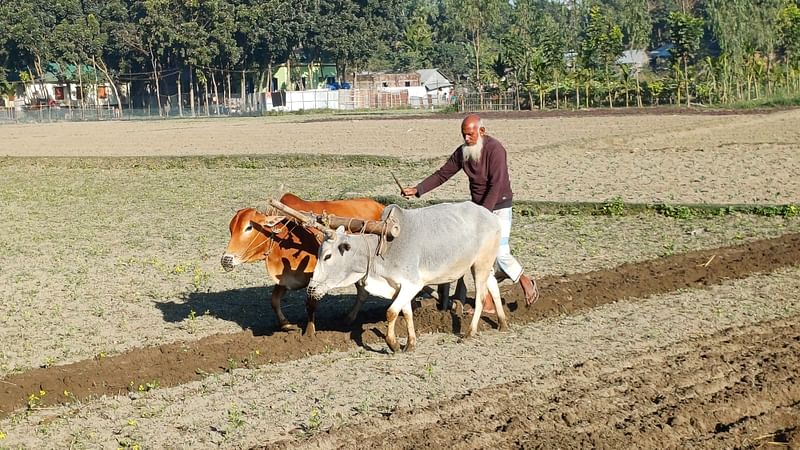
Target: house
(68,86)
(636,59)
(436,84)
(301,77)
(378,80)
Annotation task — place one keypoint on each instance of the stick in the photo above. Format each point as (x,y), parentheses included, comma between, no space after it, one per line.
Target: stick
(397,181)
(709,260)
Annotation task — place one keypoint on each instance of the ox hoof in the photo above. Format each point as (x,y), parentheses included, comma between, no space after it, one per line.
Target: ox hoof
(311,330)
(288,327)
(410,347)
(467,336)
(503,326)
(393,346)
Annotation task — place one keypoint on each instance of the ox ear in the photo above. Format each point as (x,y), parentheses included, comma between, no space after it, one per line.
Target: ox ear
(271,221)
(340,230)
(344,247)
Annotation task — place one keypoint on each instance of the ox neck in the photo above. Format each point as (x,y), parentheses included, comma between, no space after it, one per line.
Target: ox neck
(366,245)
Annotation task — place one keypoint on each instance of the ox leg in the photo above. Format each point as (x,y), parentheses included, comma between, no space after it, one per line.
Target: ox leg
(311,310)
(445,303)
(481,278)
(494,290)
(411,342)
(277,295)
(361,295)
(403,298)
(461,290)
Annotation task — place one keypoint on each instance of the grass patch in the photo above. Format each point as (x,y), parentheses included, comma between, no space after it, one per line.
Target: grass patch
(777,101)
(256,162)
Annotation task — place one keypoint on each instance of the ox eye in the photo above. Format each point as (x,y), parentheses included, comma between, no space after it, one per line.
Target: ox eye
(326,257)
(248,228)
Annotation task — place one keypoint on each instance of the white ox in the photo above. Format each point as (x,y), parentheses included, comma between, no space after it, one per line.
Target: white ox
(436,244)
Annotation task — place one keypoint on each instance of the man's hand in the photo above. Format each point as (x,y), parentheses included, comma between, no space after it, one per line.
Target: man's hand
(409,192)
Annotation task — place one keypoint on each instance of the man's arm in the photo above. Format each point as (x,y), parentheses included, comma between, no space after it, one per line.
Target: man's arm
(436,179)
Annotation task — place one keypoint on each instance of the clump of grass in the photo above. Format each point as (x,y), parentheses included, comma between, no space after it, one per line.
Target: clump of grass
(614,207)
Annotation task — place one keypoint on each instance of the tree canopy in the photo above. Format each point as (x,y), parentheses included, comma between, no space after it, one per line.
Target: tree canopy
(546,52)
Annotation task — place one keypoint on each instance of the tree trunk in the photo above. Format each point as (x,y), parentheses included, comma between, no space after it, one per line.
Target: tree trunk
(191,90)
(686,80)
(243,97)
(156,78)
(229,97)
(80,91)
(586,94)
(477,48)
(638,91)
(557,86)
(180,94)
(104,69)
(216,92)
(207,99)
(288,74)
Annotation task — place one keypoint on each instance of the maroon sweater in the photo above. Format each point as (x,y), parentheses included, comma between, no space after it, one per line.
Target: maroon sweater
(489,184)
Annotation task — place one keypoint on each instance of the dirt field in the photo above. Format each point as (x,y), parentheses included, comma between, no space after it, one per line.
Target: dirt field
(119,329)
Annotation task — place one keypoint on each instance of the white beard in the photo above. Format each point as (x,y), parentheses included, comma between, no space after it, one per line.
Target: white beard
(472,152)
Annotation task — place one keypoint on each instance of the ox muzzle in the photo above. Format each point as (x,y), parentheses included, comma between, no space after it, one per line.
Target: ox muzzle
(229,262)
(316,290)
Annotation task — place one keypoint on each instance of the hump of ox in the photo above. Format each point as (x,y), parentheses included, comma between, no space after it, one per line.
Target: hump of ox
(437,244)
(288,249)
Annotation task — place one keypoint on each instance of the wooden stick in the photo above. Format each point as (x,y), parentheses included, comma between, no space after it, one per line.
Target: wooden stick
(709,260)
(397,181)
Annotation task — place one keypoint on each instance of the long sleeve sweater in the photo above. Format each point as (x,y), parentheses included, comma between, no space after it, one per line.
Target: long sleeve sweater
(489,183)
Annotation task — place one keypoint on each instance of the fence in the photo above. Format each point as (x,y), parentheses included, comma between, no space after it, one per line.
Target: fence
(475,102)
(173,106)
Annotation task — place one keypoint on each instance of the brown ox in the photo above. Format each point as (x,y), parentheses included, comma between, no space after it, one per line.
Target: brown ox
(289,249)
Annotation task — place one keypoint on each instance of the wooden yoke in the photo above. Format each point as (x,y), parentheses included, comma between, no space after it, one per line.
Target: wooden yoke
(387,229)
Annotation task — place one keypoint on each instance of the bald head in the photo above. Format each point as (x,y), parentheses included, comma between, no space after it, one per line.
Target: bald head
(471,120)
(472,131)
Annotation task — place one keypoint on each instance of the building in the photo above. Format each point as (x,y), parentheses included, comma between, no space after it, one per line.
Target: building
(302,77)
(68,87)
(436,84)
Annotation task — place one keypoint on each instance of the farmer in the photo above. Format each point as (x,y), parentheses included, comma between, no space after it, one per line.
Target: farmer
(483,159)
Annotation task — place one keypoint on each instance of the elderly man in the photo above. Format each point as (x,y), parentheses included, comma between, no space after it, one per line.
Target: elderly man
(483,159)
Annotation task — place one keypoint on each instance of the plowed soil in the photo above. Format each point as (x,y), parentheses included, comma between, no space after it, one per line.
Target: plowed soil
(735,389)
(743,383)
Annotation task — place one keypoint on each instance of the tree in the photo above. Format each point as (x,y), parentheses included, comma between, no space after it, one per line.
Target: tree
(685,33)
(601,46)
(474,19)
(534,50)
(417,44)
(636,24)
(789,33)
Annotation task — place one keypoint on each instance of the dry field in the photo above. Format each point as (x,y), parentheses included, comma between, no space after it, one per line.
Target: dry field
(118,328)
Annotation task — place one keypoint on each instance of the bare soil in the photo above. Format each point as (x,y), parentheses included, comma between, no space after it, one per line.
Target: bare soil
(143,342)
